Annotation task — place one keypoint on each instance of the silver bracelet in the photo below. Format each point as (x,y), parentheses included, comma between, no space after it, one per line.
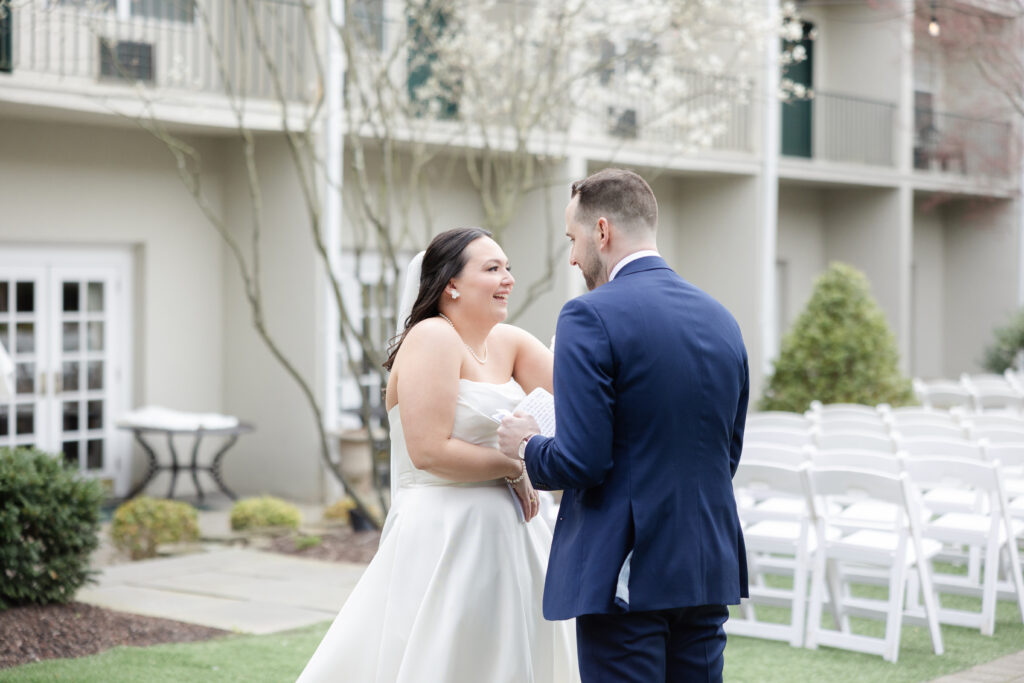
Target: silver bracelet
(518,479)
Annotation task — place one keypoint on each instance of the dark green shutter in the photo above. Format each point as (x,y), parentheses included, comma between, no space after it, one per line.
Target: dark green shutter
(796,115)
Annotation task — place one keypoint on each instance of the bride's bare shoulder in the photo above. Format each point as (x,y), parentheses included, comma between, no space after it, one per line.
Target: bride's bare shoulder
(513,335)
(430,336)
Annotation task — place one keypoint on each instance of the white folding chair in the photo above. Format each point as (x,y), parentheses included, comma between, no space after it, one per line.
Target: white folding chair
(779,437)
(775,454)
(895,546)
(777,542)
(943,394)
(851,411)
(993,421)
(919,415)
(1011,459)
(777,419)
(989,527)
(929,430)
(856,440)
(871,461)
(994,435)
(946,499)
(860,425)
(993,392)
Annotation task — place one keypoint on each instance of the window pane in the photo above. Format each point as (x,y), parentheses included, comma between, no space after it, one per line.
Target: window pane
(25,378)
(25,421)
(26,297)
(5,331)
(5,420)
(69,376)
(95,414)
(25,341)
(71,334)
(70,416)
(95,372)
(71,297)
(5,305)
(94,454)
(95,339)
(70,451)
(95,296)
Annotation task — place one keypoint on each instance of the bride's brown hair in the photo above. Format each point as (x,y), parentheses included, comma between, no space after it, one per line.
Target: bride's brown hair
(444,259)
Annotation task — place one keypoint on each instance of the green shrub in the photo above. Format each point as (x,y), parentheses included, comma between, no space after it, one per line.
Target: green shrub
(49,518)
(141,524)
(264,512)
(306,542)
(1009,341)
(840,350)
(340,509)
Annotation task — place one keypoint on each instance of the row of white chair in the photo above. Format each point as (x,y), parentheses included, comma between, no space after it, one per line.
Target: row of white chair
(977,392)
(836,521)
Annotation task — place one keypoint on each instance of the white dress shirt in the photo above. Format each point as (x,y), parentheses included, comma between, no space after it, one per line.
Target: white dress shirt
(629,259)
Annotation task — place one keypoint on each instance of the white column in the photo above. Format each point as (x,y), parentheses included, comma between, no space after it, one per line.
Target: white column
(769,214)
(1020,224)
(332,217)
(904,141)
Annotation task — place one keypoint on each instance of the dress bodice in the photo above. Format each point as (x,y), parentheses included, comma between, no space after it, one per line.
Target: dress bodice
(475,404)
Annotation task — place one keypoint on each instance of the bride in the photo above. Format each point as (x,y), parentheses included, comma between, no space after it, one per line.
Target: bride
(454,592)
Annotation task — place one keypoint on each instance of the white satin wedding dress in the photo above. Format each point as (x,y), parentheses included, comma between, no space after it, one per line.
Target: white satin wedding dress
(454,592)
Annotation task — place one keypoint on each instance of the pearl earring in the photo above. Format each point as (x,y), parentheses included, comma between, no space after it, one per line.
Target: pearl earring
(455,295)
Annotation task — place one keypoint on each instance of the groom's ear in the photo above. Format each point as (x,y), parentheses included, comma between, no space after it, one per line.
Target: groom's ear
(603,229)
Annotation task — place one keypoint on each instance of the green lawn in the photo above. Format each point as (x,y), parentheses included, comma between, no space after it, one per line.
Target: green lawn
(280,657)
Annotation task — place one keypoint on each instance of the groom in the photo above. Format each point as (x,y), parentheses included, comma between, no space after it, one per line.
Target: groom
(651,386)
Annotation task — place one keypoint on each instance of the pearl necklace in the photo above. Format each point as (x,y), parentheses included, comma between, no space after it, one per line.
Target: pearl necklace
(468,347)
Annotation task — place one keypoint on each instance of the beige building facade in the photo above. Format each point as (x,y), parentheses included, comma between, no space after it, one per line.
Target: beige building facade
(116,292)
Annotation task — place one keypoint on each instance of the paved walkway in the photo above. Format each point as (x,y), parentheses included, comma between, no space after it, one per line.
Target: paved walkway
(1009,669)
(242,590)
(232,588)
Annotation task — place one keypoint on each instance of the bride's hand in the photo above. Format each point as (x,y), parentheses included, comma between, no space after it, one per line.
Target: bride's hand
(529,501)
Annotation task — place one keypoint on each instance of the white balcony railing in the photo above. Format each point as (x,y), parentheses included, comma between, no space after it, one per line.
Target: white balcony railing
(212,47)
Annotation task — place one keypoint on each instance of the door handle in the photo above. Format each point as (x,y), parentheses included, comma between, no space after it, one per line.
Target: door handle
(42,383)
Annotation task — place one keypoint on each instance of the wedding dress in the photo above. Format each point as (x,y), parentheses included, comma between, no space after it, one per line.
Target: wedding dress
(454,592)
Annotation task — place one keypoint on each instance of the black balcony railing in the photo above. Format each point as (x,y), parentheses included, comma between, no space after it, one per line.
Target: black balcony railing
(951,143)
(843,128)
(211,46)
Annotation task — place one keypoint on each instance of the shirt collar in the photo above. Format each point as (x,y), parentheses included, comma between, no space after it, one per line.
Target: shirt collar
(629,259)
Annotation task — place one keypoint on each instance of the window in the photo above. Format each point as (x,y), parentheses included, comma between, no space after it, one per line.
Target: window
(126,60)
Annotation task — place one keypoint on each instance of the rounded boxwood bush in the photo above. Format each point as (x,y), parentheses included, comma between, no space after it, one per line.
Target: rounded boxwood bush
(1009,341)
(143,523)
(264,512)
(840,350)
(49,519)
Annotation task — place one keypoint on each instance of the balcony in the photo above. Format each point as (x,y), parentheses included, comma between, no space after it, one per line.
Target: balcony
(184,46)
(961,145)
(714,115)
(840,128)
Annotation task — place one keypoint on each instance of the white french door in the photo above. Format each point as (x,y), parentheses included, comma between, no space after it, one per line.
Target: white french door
(64,319)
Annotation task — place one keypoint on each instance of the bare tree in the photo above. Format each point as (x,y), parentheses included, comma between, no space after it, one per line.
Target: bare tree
(503,88)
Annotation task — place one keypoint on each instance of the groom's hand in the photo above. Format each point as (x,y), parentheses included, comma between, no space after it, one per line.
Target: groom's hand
(512,431)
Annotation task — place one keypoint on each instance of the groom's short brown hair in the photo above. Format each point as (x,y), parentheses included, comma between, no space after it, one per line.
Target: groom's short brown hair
(621,196)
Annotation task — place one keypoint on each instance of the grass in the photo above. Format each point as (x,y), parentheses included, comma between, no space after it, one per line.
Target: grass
(281,656)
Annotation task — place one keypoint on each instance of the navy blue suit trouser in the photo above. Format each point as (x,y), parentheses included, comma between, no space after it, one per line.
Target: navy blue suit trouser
(677,645)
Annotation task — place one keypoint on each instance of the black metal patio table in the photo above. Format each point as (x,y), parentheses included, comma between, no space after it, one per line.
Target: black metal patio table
(192,465)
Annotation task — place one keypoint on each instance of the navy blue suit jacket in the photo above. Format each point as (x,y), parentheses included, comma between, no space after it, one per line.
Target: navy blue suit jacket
(651,386)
